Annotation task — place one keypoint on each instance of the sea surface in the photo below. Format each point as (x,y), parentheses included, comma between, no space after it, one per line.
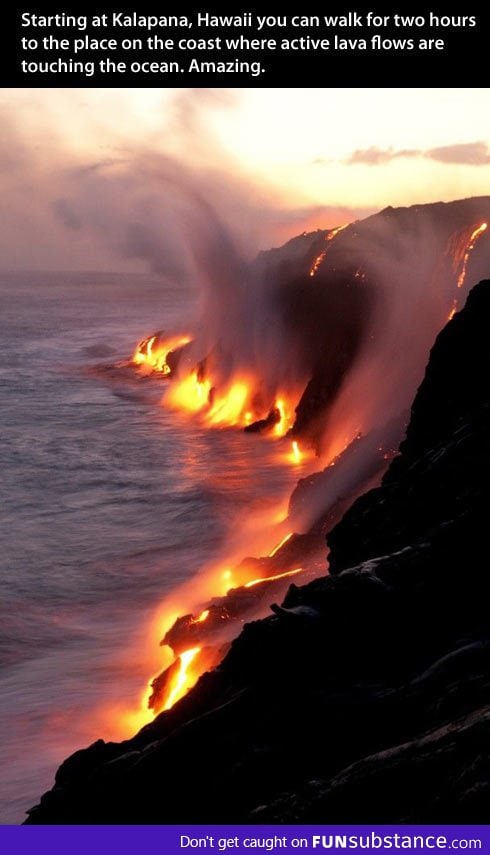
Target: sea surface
(109,501)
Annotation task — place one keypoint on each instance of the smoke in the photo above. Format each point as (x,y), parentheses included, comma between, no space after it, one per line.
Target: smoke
(410,256)
(410,260)
(139,205)
(347,345)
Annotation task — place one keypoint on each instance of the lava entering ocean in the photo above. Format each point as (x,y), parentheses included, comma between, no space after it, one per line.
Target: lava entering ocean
(326,373)
(155,353)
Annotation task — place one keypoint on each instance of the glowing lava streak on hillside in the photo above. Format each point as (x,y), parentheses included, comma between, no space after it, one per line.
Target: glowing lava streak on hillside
(461,256)
(183,679)
(469,247)
(280,544)
(254,582)
(318,260)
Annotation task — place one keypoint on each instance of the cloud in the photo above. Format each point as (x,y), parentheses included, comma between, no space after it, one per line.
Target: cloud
(472,154)
(375,156)
(469,154)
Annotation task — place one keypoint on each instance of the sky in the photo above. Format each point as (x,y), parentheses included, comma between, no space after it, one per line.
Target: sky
(105,179)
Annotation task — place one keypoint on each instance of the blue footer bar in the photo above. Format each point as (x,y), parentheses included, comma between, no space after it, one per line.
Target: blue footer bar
(184,840)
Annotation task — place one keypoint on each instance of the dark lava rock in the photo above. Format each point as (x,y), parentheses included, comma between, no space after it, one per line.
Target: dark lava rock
(264,425)
(366,696)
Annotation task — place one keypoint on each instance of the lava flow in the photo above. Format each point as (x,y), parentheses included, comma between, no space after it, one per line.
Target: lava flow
(316,366)
(461,256)
(153,352)
(200,642)
(469,247)
(254,582)
(202,617)
(318,260)
(236,404)
(280,544)
(285,417)
(190,394)
(183,679)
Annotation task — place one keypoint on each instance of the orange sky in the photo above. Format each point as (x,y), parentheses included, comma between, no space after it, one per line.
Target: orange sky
(82,171)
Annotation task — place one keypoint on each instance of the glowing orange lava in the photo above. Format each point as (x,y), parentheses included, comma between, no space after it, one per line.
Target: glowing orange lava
(220,408)
(460,248)
(230,405)
(226,582)
(229,409)
(190,394)
(154,354)
(281,544)
(184,679)
(202,617)
(286,416)
(273,578)
(318,260)
(296,455)
(476,233)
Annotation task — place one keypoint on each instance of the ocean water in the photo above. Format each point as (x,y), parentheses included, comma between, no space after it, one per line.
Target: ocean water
(109,503)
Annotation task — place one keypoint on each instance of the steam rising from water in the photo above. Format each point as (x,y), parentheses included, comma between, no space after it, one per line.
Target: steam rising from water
(346,348)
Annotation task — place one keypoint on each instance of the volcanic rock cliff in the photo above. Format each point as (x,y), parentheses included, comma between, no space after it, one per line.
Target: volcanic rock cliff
(366,696)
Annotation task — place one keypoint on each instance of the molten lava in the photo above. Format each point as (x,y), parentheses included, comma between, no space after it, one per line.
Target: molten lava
(318,260)
(285,408)
(280,544)
(183,679)
(461,250)
(190,394)
(226,577)
(476,233)
(234,404)
(221,408)
(202,617)
(296,455)
(254,582)
(230,409)
(153,353)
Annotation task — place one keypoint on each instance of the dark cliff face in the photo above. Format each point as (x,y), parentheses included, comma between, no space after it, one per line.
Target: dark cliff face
(367,696)
(435,483)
